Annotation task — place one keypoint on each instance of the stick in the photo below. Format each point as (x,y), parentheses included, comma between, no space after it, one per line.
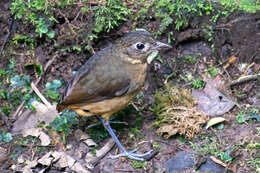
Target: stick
(93,160)
(39,94)
(243,79)
(14,116)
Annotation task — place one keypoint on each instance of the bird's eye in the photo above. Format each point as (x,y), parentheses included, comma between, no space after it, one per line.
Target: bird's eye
(140,46)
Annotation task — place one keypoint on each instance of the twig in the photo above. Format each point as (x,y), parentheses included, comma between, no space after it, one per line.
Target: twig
(39,94)
(93,160)
(214,159)
(69,24)
(14,116)
(136,108)
(248,67)
(243,79)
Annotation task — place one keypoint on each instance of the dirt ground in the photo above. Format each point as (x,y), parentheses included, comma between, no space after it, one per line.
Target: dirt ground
(237,36)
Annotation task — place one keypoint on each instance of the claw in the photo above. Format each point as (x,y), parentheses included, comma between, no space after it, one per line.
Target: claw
(131,154)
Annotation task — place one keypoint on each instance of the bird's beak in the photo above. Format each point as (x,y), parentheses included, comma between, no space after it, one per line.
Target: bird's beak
(160,46)
(155,50)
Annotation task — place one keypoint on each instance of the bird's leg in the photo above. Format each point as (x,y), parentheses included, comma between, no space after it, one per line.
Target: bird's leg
(131,154)
(100,122)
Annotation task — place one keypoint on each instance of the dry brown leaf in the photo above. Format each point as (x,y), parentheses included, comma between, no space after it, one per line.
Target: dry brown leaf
(46,160)
(211,101)
(31,119)
(37,132)
(58,159)
(85,138)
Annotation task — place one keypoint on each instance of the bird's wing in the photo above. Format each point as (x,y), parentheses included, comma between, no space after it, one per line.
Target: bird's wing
(94,82)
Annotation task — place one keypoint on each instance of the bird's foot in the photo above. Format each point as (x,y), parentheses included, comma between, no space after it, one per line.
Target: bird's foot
(135,156)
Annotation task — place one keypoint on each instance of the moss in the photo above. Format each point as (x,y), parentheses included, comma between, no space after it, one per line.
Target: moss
(176,113)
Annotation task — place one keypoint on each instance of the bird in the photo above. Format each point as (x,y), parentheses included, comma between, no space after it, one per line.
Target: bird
(111,79)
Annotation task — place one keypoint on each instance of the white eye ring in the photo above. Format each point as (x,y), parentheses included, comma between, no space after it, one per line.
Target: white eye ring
(140,46)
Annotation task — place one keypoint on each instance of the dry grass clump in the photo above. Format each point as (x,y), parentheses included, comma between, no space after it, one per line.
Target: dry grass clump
(176,113)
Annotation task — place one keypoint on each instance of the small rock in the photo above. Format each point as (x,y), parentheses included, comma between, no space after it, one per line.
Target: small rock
(211,166)
(182,160)
(186,161)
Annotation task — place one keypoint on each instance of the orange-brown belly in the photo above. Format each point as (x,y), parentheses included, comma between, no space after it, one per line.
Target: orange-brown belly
(104,108)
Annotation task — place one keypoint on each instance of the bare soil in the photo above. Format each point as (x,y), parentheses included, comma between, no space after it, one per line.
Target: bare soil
(238,36)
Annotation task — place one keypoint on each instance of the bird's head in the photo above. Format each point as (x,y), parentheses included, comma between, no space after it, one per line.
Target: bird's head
(139,47)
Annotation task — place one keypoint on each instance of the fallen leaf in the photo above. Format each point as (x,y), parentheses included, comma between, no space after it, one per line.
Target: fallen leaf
(37,132)
(45,113)
(214,121)
(210,100)
(28,168)
(64,160)
(85,138)
(46,159)
(30,119)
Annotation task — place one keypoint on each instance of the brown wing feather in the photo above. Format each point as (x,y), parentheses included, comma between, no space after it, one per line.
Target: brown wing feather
(96,81)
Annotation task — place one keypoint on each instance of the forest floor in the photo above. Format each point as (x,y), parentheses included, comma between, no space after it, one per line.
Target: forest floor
(232,144)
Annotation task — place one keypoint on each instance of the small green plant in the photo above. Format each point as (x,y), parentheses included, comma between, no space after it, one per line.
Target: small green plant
(64,122)
(98,133)
(157,146)
(213,71)
(225,156)
(198,83)
(208,147)
(24,39)
(241,117)
(38,13)
(5,137)
(138,164)
(108,16)
(180,12)
(208,32)
(190,59)
(51,89)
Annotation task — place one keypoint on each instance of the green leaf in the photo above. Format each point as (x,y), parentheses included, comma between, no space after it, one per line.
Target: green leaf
(255,116)
(241,117)
(220,126)
(55,84)
(51,34)
(5,137)
(225,156)
(214,121)
(44,29)
(37,67)
(198,83)
(20,81)
(52,94)
(64,122)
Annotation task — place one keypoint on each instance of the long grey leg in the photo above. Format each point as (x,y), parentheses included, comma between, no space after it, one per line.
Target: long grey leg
(130,154)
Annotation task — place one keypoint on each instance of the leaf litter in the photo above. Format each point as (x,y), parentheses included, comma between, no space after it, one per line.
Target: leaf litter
(177,114)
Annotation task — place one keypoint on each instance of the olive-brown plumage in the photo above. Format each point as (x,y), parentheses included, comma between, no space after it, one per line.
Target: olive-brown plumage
(111,78)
